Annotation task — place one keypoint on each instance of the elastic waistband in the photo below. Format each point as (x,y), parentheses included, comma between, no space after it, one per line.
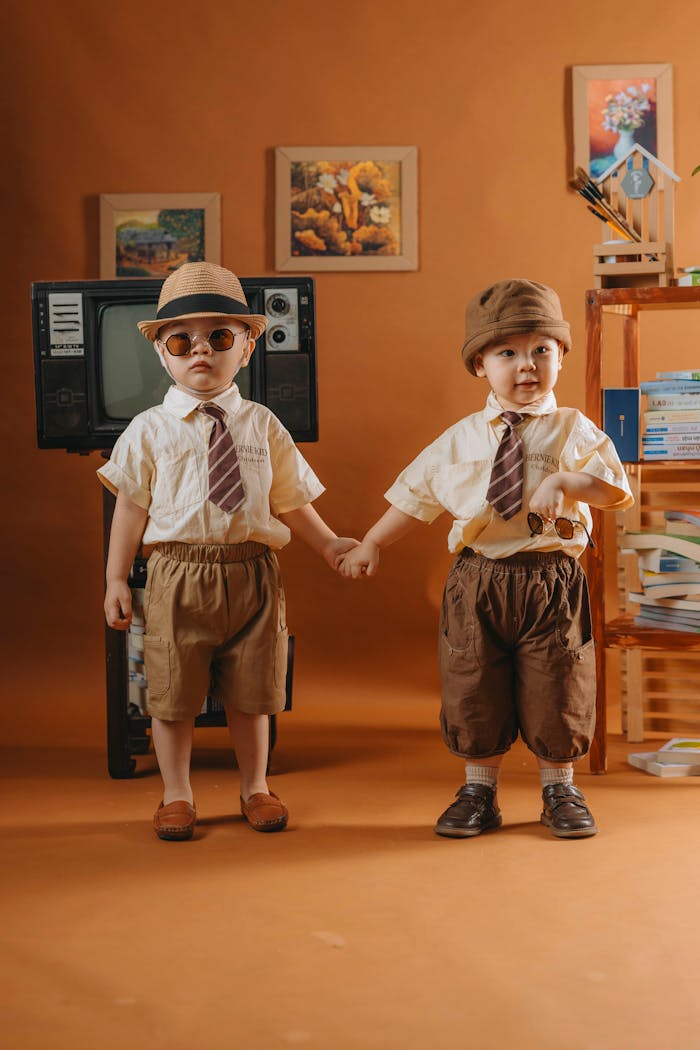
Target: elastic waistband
(523,560)
(217,553)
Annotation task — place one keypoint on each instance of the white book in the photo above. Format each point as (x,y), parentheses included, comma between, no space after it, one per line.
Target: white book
(664,603)
(659,560)
(667,625)
(649,762)
(679,452)
(687,546)
(672,415)
(657,402)
(678,437)
(652,579)
(681,749)
(672,428)
(670,590)
(678,375)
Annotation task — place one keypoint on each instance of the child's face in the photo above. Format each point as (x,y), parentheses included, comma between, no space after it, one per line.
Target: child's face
(521,369)
(204,368)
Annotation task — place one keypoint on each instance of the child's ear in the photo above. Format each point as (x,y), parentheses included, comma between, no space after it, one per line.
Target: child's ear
(478,365)
(249,351)
(561,355)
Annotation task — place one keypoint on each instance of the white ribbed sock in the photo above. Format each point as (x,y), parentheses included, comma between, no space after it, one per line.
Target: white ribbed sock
(482,775)
(556,776)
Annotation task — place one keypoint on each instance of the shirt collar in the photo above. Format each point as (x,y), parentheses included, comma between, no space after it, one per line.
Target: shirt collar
(181,404)
(493,410)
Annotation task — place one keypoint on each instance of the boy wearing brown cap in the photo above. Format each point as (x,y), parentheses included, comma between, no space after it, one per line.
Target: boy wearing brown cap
(213,484)
(516,645)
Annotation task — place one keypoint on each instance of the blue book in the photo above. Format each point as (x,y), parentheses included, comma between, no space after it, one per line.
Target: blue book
(621,420)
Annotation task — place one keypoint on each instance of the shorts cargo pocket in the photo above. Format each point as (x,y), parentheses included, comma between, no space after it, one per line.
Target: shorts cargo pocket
(574,623)
(457,663)
(156,653)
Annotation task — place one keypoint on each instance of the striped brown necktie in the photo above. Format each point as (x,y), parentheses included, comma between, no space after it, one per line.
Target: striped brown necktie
(225,484)
(505,491)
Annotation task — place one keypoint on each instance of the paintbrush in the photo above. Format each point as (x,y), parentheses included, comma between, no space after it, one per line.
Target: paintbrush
(588,189)
(613,225)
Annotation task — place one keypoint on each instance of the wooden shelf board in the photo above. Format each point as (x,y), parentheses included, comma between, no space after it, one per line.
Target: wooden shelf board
(623,633)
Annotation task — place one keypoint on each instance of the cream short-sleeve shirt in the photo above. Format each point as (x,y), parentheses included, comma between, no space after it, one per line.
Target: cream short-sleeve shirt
(161,463)
(453,474)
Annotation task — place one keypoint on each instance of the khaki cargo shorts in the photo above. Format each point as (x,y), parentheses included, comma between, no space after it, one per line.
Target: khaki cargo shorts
(215,626)
(517,656)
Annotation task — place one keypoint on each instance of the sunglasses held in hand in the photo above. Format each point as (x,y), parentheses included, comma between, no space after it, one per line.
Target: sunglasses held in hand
(564,527)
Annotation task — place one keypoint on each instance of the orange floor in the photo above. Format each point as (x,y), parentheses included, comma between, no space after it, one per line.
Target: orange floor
(356,928)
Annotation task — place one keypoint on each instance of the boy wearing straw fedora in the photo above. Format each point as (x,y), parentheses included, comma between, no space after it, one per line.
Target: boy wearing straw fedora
(516,645)
(213,485)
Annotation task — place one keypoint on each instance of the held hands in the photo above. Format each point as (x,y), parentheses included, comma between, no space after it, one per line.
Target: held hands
(118,605)
(335,549)
(362,561)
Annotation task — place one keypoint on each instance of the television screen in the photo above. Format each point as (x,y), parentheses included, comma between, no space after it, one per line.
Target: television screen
(132,377)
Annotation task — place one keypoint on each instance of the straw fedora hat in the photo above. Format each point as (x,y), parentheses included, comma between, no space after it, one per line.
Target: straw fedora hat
(202,289)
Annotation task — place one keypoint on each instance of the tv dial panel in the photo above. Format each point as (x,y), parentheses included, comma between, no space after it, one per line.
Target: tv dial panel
(288,379)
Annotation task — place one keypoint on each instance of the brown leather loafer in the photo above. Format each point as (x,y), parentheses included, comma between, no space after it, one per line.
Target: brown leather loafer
(565,812)
(265,812)
(175,821)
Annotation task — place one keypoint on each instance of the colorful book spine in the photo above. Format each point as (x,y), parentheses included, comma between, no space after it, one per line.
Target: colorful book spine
(671,415)
(670,386)
(678,375)
(678,452)
(666,625)
(680,437)
(673,428)
(677,402)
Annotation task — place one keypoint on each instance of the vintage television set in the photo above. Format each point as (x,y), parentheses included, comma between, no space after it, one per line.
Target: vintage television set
(94,370)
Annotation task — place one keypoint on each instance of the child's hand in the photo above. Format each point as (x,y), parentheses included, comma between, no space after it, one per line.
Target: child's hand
(118,605)
(362,561)
(548,498)
(334,551)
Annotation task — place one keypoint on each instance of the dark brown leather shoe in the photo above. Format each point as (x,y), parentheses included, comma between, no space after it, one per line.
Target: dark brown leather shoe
(565,812)
(475,810)
(265,812)
(175,821)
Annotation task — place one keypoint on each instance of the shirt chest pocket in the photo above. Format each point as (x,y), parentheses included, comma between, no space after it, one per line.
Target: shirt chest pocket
(177,484)
(461,487)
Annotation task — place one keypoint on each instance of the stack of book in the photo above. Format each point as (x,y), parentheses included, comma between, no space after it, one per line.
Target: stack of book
(672,419)
(669,572)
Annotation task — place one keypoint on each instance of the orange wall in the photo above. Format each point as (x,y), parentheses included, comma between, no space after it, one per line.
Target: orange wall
(156,97)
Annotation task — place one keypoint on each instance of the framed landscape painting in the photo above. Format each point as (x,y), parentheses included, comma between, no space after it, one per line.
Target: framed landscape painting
(346,208)
(618,106)
(152,234)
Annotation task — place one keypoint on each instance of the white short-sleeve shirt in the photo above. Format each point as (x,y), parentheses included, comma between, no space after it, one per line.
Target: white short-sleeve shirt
(453,474)
(161,463)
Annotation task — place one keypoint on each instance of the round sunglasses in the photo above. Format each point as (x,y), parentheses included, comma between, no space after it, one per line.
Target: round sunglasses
(564,527)
(180,343)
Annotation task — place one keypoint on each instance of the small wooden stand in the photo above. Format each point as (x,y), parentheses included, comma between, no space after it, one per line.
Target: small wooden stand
(641,188)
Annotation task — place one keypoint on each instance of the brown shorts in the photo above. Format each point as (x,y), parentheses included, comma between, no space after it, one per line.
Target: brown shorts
(517,656)
(215,625)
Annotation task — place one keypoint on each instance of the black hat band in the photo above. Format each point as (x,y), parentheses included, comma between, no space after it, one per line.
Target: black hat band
(201,303)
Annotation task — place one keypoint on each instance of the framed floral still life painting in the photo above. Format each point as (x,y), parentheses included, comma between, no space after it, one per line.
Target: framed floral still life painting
(152,234)
(346,208)
(618,106)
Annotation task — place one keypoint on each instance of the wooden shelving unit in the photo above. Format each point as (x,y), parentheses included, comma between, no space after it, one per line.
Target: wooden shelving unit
(678,477)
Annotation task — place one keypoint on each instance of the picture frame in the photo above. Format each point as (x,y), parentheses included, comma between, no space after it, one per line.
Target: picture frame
(616,106)
(346,208)
(152,234)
